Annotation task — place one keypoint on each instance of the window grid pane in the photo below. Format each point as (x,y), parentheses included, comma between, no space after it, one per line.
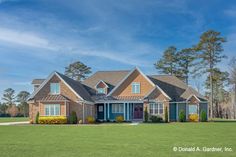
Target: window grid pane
(55,88)
(135,87)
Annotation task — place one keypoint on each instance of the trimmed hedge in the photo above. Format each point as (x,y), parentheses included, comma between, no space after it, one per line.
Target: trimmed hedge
(119,119)
(145,114)
(90,120)
(193,118)
(156,119)
(52,120)
(182,116)
(73,118)
(37,118)
(203,116)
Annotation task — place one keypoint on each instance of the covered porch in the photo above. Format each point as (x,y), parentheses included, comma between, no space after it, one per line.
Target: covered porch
(131,111)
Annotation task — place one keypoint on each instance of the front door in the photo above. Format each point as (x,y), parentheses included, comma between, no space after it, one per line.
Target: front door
(138,111)
(100,111)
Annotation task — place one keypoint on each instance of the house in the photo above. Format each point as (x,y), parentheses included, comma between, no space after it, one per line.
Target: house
(108,94)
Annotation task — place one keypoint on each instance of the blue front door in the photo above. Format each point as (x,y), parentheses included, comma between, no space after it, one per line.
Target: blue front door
(100,111)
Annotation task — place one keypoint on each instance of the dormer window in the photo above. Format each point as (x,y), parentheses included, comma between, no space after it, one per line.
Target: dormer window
(101,87)
(101,90)
(54,88)
(135,87)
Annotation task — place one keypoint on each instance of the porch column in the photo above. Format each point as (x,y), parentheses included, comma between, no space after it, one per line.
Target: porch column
(65,108)
(177,112)
(198,111)
(186,115)
(108,113)
(105,111)
(127,111)
(124,111)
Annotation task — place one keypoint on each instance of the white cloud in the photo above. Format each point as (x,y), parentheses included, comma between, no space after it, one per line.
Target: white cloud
(231,12)
(115,56)
(24,39)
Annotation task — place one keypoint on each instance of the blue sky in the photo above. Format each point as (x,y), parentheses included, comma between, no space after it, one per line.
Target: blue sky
(38,37)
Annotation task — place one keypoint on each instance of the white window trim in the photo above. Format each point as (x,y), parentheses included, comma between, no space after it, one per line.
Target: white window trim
(104,91)
(158,108)
(58,87)
(189,108)
(136,90)
(49,109)
(118,109)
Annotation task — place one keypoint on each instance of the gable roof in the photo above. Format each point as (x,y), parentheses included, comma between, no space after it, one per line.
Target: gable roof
(101,81)
(123,80)
(76,87)
(152,93)
(176,89)
(111,78)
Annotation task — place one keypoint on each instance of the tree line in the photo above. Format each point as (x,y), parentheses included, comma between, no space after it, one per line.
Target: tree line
(204,58)
(14,105)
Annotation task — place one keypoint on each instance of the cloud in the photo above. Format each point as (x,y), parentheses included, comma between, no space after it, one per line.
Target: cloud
(230,12)
(24,39)
(116,56)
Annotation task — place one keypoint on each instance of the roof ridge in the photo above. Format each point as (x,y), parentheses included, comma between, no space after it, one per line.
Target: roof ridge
(111,71)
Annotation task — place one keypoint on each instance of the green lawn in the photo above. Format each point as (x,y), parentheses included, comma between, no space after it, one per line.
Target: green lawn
(13,119)
(144,140)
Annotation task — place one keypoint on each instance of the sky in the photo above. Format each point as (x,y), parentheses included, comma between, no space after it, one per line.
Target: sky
(39,37)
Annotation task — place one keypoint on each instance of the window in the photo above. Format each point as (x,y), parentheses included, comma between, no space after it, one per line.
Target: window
(156,108)
(55,88)
(117,108)
(101,90)
(100,109)
(135,87)
(192,109)
(52,110)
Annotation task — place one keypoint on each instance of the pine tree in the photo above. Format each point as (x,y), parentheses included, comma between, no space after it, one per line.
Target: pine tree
(22,98)
(168,64)
(233,82)
(77,71)
(9,96)
(186,59)
(220,80)
(210,54)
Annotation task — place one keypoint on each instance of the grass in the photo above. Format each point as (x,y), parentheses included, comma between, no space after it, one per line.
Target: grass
(13,119)
(144,140)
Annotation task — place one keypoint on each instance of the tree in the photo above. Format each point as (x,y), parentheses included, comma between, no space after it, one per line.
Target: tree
(9,96)
(3,109)
(185,60)
(210,54)
(233,81)
(219,81)
(77,71)
(13,110)
(168,64)
(22,98)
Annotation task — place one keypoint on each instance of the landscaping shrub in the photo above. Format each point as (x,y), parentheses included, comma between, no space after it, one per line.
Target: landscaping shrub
(182,116)
(145,115)
(156,119)
(80,121)
(203,116)
(166,115)
(193,118)
(119,119)
(37,118)
(73,118)
(52,120)
(90,120)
